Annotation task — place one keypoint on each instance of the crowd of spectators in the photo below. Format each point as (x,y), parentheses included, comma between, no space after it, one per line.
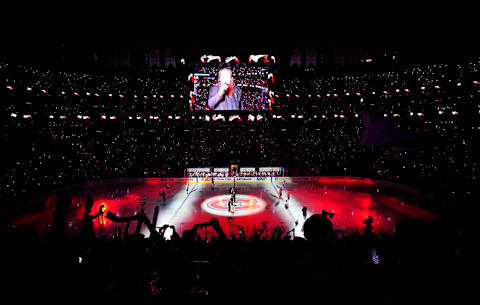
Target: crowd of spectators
(383,268)
(64,127)
(60,128)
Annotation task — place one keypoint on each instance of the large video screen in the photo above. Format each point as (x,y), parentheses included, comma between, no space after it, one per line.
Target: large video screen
(236,88)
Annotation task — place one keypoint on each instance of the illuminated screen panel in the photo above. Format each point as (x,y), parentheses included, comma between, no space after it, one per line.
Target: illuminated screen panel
(251,86)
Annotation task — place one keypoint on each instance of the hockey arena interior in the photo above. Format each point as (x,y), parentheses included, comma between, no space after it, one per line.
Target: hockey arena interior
(300,159)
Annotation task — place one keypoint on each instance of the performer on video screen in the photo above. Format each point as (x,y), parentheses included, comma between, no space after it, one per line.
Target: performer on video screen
(225,95)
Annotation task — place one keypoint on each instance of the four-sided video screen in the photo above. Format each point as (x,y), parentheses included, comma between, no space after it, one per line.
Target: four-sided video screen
(232,88)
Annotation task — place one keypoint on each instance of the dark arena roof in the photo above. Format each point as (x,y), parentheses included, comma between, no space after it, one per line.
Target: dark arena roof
(347,164)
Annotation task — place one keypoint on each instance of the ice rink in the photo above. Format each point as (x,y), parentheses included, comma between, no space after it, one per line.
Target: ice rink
(278,203)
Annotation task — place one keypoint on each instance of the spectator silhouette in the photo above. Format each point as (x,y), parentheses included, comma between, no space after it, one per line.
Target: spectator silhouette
(368,225)
(318,229)
(257,232)
(59,226)
(87,225)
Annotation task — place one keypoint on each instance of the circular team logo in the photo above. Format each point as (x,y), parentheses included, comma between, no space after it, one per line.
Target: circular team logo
(243,205)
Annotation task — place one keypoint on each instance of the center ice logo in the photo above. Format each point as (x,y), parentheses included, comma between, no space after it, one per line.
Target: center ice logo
(243,205)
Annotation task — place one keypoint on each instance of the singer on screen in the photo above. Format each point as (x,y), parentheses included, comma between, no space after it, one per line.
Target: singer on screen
(225,95)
